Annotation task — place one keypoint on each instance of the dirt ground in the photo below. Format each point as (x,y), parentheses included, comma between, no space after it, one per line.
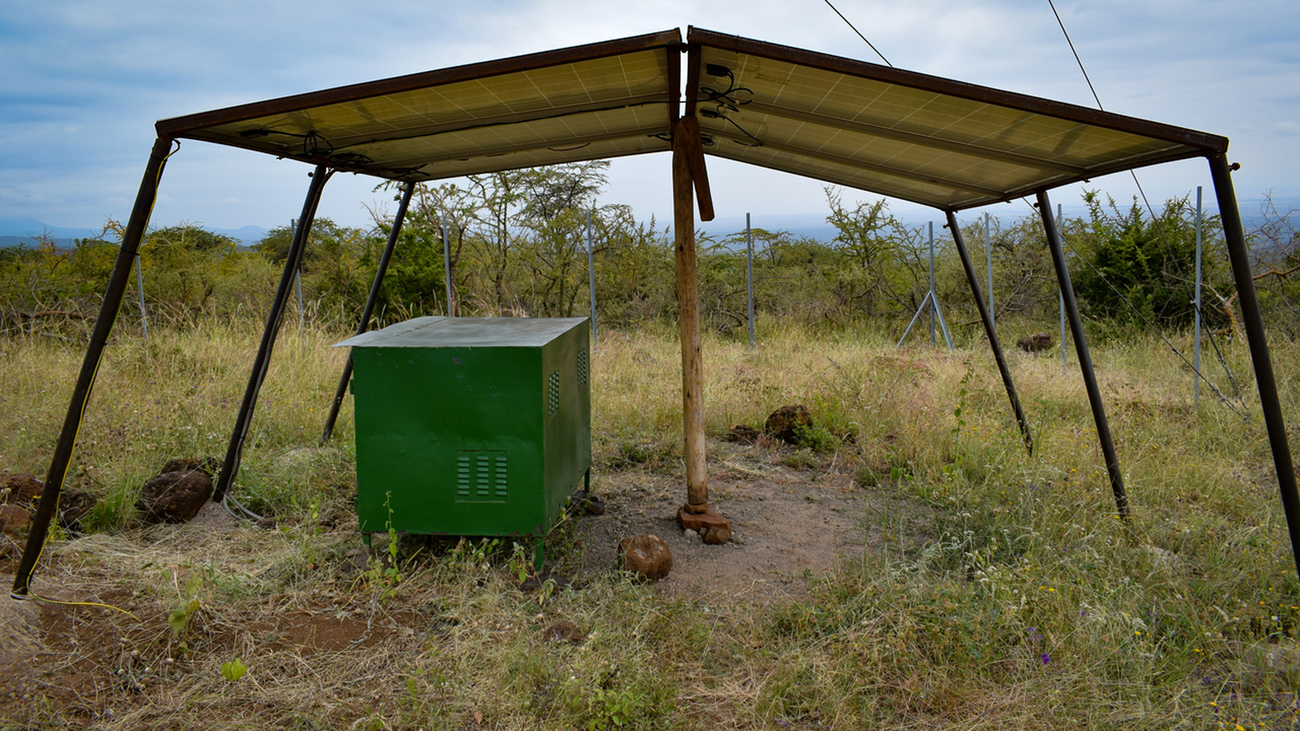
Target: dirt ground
(789,523)
(794,516)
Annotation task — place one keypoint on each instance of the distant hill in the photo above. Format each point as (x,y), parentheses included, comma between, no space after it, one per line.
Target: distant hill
(24,232)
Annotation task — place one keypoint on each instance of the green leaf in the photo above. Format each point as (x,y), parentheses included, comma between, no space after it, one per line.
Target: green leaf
(233,670)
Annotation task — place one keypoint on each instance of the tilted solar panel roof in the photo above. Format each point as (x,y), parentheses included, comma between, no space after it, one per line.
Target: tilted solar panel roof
(912,136)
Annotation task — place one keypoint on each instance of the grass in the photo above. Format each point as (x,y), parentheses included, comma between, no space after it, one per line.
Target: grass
(1027,604)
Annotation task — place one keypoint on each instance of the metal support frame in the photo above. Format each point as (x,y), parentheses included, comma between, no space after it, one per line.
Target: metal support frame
(446,264)
(932,299)
(139,285)
(1071,308)
(273,320)
(1196,358)
(1253,320)
(986,315)
(369,309)
(297,281)
(591,280)
(749,275)
(118,281)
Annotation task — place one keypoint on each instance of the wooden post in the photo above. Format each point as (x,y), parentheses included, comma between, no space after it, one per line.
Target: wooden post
(688,315)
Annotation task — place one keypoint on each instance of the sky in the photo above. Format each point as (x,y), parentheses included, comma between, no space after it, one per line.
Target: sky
(84,80)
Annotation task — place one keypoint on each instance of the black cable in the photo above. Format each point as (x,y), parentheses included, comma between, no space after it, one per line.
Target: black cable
(1150,210)
(1076,54)
(864,38)
(1243,414)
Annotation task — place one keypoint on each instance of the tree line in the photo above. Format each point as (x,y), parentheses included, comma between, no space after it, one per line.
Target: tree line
(516,245)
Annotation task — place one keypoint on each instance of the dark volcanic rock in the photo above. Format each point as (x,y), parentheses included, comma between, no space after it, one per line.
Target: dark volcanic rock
(742,434)
(176,496)
(14,520)
(583,501)
(564,631)
(646,556)
(73,506)
(717,535)
(783,423)
(20,489)
(1036,343)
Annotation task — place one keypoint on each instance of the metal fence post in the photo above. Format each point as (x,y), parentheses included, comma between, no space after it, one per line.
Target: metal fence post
(591,277)
(749,275)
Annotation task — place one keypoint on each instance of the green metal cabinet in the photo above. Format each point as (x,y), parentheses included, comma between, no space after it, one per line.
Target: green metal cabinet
(471,426)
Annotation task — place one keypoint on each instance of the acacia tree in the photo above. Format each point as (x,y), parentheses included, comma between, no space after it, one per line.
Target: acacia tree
(1135,270)
(878,250)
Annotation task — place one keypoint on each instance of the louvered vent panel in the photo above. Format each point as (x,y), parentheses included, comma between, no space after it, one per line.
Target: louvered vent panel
(481,476)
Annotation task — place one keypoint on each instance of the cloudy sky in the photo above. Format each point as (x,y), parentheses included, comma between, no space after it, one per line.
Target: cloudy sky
(84,80)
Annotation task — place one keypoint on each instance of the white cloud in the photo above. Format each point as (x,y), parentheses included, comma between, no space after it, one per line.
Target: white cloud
(85,80)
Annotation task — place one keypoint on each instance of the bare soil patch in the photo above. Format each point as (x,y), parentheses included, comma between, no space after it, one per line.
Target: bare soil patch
(795,515)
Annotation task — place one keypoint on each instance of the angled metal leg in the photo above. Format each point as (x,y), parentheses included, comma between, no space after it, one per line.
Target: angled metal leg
(369,309)
(113,293)
(1085,359)
(1238,254)
(987,317)
(231,464)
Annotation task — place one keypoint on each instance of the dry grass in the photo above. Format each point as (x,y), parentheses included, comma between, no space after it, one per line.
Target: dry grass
(1027,605)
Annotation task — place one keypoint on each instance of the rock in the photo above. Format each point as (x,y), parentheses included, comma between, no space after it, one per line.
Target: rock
(176,496)
(783,423)
(209,466)
(22,490)
(742,434)
(586,502)
(564,631)
(690,534)
(717,535)
(646,556)
(14,520)
(1036,343)
(73,506)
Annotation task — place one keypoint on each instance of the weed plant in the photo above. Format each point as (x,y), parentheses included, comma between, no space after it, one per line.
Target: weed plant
(997,589)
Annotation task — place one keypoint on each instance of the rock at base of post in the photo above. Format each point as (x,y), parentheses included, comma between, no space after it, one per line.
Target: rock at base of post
(709,524)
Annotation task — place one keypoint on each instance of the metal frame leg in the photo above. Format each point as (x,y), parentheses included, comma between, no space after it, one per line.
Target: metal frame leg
(368,310)
(1085,359)
(987,317)
(113,294)
(231,464)
(1253,319)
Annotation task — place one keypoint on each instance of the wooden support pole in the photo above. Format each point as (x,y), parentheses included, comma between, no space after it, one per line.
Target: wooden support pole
(688,315)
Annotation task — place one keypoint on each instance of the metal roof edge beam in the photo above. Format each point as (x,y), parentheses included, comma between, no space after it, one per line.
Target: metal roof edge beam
(178,126)
(1239,256)
(113,293)
(1085,358)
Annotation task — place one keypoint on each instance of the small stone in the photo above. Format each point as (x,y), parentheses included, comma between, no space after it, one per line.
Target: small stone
(1036,343)
(564,631)
(646,556)
(717,535)
(784,423)
(742,434)
(690,534)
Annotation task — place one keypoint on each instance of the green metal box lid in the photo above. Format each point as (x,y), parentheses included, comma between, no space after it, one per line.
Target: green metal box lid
(466,332)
